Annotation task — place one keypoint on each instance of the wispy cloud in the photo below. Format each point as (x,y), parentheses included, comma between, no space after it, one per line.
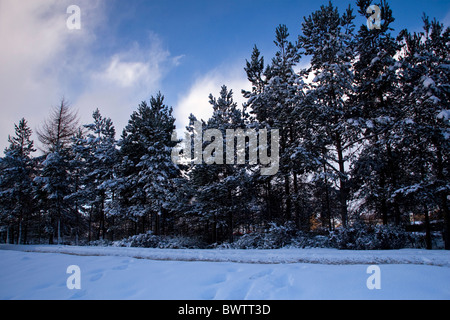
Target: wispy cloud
(118,85)
(39,57)
(43,61)
(126,74)
(139,65)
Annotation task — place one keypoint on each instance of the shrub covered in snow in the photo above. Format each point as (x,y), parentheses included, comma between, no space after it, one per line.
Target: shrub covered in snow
(149,240)
(356,237)
(310,240)
(274,237)
(100,243)
(370,237)
(359,236)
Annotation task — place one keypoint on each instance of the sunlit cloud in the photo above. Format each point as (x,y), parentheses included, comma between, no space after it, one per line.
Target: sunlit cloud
(43,61)
(196,100)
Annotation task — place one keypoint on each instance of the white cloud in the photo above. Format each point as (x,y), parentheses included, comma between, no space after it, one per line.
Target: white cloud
(126,74)
(127,78)
(39,55)
(42,61)
(138,66)
(196,100)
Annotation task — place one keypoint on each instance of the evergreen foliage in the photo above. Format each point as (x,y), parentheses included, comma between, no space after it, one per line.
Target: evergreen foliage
(363,153)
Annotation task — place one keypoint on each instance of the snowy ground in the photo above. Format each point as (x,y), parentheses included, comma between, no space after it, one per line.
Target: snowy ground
(39,272)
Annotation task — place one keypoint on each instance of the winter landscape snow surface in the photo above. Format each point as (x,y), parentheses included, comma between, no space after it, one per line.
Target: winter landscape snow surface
(40,272)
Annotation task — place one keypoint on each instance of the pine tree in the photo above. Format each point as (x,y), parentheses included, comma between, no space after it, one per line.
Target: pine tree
(221,188)
(328,37)
(54,180)
(147,172)
(277,93)
(95,156)
(378,100)
(16,183)
(424,83)
(79,190)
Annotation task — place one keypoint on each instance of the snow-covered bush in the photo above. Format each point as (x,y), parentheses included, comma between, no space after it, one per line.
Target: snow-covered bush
(254,240)
(359,236)
(418,240)
(276,236)
(145,240)
(100,243)
(279,236)
(369,237)
(149,240)
(355,237)
(181,243)
(310,240)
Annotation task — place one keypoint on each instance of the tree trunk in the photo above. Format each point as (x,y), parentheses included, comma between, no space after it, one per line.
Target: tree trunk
(90,226)
(19,237)
(383,204)
(102,218)
(7,235)
(214,229)
(427,229)
(446,232)
(392,171)
(59,230)
(230,217)
(287,191)
(327,196)
(269,200)
(158,224)
(297,211)
(443,197)
(342,181)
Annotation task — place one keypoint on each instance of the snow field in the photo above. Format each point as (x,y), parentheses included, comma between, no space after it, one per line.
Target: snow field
(34,275)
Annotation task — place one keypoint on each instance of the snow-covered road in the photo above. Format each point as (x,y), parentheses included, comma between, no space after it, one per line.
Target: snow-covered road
(136,273)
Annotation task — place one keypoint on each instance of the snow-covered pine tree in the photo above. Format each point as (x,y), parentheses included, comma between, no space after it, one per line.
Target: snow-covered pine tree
(255,74)
(79,194)
(379,110)
(158,171)
(54,180)
(147,172)
(425,78)
(221,191)
(95,155)
(16,184)
(274,102)
(256,109)
(283,95)
(328,38)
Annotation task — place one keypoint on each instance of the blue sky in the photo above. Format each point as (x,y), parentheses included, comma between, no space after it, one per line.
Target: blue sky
(127,51)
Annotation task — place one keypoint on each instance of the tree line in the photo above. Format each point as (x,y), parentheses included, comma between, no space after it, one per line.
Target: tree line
(364,137)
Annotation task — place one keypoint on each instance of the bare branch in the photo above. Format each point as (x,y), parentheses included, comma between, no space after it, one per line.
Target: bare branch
(56,131)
